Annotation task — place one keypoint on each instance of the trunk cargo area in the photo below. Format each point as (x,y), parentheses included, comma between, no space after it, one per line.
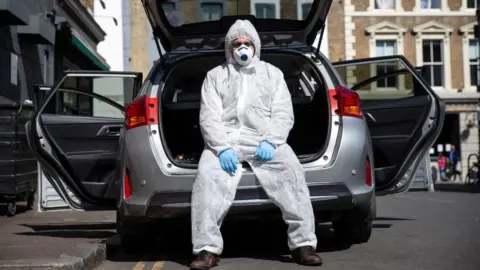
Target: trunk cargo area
(180,107)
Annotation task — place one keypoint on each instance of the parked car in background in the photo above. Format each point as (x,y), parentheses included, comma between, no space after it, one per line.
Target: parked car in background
(140,158)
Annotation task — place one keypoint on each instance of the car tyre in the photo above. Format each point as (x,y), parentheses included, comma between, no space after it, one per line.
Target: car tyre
(134,244)
(131,241)
(356,226)
(355,232)
(11,209)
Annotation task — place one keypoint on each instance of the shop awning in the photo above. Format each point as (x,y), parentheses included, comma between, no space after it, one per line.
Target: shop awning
(89,52)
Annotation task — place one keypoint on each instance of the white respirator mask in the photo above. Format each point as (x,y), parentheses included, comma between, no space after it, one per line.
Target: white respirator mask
(243,55)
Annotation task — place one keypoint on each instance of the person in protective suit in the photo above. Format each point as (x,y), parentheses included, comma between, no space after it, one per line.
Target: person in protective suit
(246,114)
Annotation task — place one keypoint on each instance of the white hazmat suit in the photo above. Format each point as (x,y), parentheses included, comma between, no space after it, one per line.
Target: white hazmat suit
(240,107)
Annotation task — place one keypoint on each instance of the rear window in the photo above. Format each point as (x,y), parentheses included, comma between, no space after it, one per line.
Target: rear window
(187,12)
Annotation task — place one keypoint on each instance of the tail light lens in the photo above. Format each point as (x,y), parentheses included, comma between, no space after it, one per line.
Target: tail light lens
(127,186)
(368,173)
(348,102)
(142,111)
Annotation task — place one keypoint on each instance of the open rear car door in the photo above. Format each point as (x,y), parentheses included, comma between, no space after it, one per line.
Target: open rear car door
(75,131)
(403,113)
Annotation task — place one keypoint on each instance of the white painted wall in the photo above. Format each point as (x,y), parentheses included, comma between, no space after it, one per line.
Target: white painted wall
(112,47)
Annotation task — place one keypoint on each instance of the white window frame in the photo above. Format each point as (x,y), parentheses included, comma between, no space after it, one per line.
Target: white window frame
(443,7)
(464,6)
(398,7)
(174,2)
(199,7)
(467,35)
(299,7)
(433,30)
(275,2)
(386,30)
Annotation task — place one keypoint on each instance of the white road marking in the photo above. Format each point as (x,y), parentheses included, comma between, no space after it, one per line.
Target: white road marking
(425,199)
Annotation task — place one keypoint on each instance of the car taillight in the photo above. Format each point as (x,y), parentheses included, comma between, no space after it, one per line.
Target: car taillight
(368,173)
(348,102)
(142,111)
(127,186)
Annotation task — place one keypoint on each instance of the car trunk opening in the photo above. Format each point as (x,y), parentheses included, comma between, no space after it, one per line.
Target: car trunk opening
(180,105)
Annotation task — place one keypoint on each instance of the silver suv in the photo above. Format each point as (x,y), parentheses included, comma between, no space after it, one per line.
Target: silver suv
(105,140)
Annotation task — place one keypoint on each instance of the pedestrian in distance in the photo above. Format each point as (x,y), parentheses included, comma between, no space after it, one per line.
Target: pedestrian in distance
(442,166)
(454,158)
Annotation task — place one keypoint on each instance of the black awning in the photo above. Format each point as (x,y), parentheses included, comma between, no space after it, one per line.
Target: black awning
(13,12)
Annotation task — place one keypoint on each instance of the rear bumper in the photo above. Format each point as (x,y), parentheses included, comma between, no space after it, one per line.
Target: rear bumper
(249,203)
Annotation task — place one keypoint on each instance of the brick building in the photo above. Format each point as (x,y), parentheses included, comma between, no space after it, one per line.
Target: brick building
(435,34)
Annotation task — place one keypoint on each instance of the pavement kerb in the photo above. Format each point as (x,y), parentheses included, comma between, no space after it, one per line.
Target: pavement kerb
(81,256)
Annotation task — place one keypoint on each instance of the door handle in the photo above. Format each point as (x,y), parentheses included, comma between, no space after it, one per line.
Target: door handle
(110,131)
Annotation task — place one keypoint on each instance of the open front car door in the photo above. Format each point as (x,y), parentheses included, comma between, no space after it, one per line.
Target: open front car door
(75,132)
(403,113)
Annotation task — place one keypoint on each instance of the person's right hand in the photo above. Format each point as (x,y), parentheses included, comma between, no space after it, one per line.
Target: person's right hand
(228,160)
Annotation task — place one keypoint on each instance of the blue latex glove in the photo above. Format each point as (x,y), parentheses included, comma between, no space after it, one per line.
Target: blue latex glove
(265,151)
(228,160)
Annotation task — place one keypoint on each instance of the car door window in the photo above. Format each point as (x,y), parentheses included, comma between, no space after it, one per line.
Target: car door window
(91,96)
(381,80)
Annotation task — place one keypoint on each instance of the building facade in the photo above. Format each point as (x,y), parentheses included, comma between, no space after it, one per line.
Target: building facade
(42,38)
(434,34)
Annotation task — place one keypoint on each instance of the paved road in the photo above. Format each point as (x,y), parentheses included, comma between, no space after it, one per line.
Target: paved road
(417,230)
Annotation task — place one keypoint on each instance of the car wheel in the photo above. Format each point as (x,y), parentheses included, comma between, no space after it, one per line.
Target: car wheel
(133,239)
(356,226)
(134,244)
(11,209)
(353,231)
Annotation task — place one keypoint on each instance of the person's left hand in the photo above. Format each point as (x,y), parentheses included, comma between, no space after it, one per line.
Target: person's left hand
(265,151)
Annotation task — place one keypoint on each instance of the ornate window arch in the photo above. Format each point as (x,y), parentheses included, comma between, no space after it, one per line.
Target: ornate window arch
(433,31)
